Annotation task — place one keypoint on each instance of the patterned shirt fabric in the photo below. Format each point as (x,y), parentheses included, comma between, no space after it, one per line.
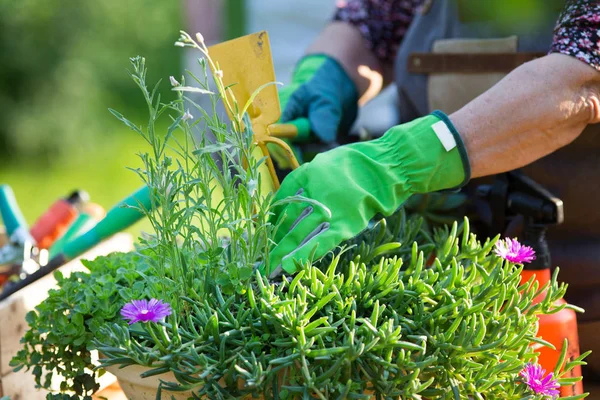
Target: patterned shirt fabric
(383,23)
(577,32)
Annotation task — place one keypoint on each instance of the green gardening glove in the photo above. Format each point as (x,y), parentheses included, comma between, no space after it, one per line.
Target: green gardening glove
(321,91)
(359,181)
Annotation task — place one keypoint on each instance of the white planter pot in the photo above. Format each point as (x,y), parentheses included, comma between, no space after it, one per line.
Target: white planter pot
(137,388)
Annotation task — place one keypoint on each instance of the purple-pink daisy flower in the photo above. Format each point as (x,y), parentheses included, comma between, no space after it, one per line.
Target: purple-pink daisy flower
(513,251)
(533,375)
(144,311)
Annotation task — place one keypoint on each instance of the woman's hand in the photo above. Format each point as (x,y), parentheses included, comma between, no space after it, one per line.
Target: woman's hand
(356,182)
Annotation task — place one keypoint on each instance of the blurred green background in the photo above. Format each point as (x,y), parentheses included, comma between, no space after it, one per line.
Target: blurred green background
(63,63)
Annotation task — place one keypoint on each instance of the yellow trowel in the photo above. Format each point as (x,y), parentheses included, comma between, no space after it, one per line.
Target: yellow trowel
(247,65)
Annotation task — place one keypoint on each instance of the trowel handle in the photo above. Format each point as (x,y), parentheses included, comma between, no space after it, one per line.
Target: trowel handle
(303,127)
(10,211)
(298,130)
(117,219)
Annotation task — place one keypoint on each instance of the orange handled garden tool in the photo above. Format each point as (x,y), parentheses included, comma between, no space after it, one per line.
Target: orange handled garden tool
(27,249)
(247,67)
(121,216)
(57,219)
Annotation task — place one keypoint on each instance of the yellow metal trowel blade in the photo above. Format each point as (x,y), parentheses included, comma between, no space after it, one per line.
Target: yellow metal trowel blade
(247,65)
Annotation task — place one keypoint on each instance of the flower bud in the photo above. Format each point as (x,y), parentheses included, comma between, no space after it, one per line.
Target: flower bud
(199,37)
(174,81)
(187,115)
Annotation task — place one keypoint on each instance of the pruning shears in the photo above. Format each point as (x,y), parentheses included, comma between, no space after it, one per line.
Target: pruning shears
(20,251)
(27,248)
(120,217)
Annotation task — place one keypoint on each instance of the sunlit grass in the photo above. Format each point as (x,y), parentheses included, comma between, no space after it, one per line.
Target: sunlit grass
(102,172)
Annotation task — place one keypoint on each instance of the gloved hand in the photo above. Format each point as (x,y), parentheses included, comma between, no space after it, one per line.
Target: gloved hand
(358,181)
(321,91)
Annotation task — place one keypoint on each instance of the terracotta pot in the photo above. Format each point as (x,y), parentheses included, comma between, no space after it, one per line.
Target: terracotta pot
(138,388)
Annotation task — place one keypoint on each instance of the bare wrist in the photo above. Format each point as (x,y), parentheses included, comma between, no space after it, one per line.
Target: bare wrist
(345,43)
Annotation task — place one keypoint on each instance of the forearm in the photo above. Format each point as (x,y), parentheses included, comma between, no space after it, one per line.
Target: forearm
(344,43)
(537,109)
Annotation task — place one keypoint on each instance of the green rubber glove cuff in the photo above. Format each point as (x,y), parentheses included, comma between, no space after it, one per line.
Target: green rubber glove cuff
(303,72)
(432,153)
(323,92)
(307,67)
(359,181)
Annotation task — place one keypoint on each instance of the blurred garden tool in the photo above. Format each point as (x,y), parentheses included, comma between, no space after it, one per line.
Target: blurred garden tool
(118,218)
(20,247)
(54,222)
(89,216)
(14,222)
(247,69)
(28,251)
(515,195)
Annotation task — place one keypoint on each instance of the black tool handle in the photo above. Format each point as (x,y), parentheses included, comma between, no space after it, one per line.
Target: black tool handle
(534,235)
(12,287)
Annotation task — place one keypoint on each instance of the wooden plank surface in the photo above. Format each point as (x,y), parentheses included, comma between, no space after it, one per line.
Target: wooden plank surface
(20,386)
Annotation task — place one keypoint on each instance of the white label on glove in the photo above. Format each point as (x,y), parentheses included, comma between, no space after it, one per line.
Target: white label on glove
(444,134)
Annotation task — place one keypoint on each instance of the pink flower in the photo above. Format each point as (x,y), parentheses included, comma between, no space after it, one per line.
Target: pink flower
(513,251)
(534,378)
(144,311)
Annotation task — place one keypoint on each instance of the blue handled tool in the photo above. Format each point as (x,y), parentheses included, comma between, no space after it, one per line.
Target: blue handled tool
(20,244)
(117,219)
(11,213)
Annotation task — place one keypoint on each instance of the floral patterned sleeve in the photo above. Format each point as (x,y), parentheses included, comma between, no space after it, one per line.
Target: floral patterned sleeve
(383,23)
(577,32)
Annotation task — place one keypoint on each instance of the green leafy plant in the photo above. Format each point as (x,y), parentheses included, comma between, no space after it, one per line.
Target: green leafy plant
(402,311)
(62,327)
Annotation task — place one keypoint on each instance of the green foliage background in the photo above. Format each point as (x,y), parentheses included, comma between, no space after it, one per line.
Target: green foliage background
(63,63)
